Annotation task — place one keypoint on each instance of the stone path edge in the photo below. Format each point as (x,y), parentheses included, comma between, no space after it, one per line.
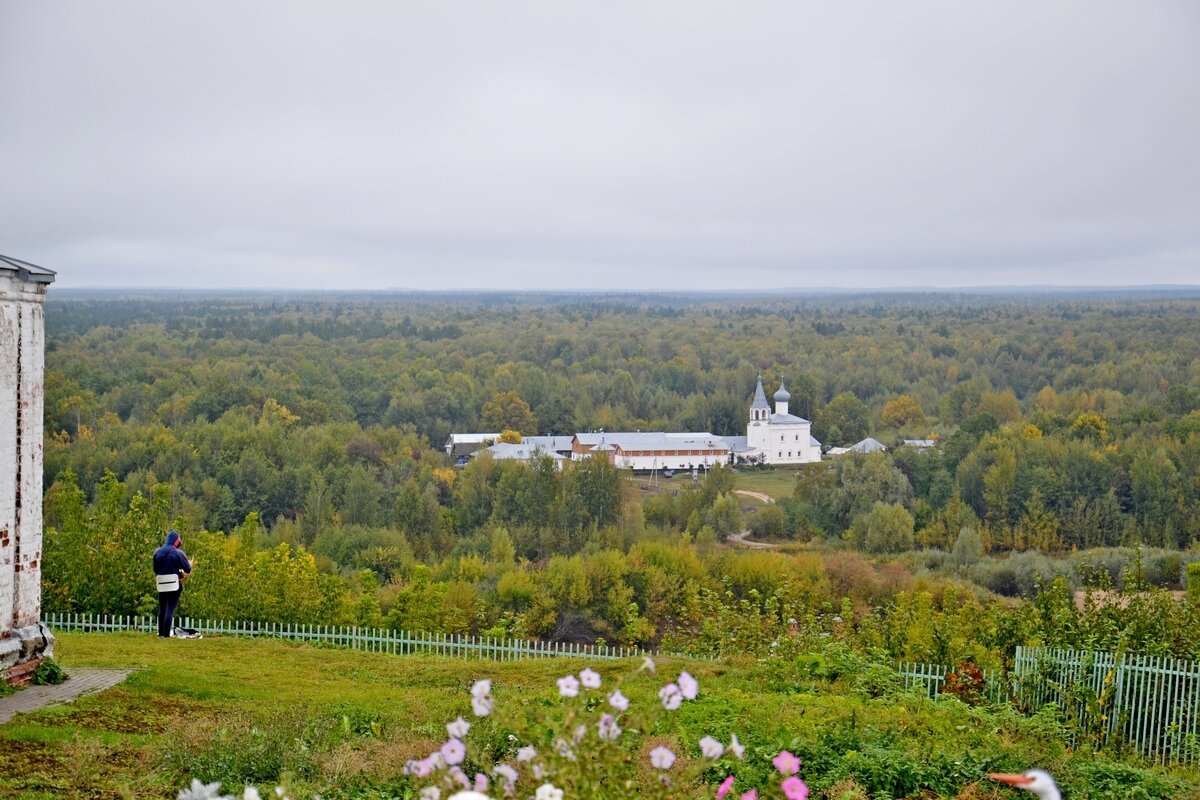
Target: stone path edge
(82,682)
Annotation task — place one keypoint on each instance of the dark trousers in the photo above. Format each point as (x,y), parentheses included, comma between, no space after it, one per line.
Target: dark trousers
(167,601)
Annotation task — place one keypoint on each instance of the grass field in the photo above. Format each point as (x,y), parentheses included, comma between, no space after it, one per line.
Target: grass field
(343,724)
(777,484)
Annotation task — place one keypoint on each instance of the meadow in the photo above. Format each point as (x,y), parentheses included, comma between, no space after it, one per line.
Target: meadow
(343,724)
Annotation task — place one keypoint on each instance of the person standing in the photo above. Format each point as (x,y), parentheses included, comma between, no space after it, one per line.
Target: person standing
(171,566)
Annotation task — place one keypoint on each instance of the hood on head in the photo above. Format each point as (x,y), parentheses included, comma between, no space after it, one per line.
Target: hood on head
(172,538)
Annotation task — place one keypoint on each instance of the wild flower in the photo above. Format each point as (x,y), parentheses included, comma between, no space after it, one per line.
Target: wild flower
(591,752)
(786,763)
(794,789)
(661,758)
(688,686)
(454,752)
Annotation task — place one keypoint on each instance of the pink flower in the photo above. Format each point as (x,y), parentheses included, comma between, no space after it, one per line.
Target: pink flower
(786,763)
(688,686)
(662,758)
(526,753)
(724,788)
(481,782)
(453,751)
(750,795)
(568,686)
(590,679)
(618,701)
(794,789)
(458,729)
(481,688)
(670,696)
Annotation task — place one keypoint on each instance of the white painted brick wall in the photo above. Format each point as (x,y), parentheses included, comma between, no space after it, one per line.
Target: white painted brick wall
(8,461)
(22,354)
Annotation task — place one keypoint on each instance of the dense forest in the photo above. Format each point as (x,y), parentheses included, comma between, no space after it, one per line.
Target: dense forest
(298,438)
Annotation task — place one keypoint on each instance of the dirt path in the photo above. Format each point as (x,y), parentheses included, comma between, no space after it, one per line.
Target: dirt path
(739,540)
(759,496)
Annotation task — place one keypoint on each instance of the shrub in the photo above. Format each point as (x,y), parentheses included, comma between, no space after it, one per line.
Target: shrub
(49,673)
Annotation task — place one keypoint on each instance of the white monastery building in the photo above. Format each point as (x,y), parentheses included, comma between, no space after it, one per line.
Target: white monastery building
(24,641)
(771,438)
(779,437)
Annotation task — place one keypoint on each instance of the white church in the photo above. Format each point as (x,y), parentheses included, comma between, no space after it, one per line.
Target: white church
(776,437)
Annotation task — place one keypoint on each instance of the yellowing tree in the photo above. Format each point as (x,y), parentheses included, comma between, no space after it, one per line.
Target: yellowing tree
(899,412)
(509,411)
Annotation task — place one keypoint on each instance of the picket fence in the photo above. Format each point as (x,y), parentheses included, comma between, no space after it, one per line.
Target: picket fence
(371,640)
(1149,704)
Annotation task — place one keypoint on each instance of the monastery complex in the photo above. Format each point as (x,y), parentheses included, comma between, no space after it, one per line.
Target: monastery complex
(772,437)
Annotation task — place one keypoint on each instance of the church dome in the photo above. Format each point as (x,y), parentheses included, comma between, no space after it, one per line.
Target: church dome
(782,396)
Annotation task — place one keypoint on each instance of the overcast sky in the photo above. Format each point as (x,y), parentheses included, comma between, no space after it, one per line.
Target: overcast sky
(565,145)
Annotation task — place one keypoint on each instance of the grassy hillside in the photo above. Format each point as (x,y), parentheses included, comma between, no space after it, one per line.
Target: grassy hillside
(343,724)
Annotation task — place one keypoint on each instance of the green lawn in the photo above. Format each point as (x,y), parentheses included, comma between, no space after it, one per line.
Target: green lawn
(777,484)
(343,724)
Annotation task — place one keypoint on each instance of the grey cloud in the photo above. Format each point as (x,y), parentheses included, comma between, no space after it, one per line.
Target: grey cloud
(622,145)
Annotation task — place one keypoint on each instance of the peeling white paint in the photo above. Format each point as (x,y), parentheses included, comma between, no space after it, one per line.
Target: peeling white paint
(22,389)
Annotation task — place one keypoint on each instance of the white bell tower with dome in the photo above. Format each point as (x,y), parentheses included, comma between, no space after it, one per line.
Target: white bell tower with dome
(778,437)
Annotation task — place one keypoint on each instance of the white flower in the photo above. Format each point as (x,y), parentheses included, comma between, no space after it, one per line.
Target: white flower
(736,747)
(453,751)
(580,732)
(548,791)
(482,706)
(563,749)
(618,701)
(458,729)
(688,686)
(670,696)
(711,748)
(538,772)
(527,753)
(251,793)
(505,773)
(467,796)
(608,728)
(481,688)
(568,686)
(431,793)
(201,791)
(662,758)
(590,679)
(647,665)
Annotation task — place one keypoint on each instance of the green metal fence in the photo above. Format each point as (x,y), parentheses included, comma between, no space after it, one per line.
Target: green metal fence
(1149,704)
(931,679)
(373,640)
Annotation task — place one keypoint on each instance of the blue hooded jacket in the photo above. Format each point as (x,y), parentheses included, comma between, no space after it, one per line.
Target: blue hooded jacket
(169,559)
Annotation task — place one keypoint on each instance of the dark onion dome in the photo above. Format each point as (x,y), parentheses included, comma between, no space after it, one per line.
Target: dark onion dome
(782,396)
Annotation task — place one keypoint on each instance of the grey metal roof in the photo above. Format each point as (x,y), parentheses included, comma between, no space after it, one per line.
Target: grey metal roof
(555,443)
(782,418)
(760,397)
(26,271)
(508,450)
(868,445)
(653,440)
